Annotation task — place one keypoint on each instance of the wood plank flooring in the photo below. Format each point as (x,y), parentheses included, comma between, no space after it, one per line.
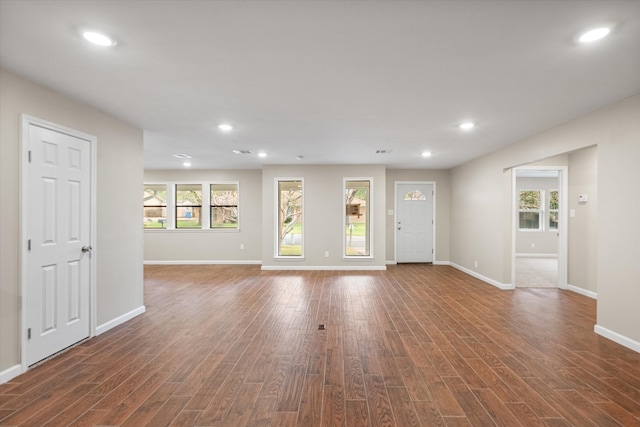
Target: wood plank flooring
(416,345)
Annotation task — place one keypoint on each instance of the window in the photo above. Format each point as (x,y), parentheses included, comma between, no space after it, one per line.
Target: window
(553,210)
(155,206)
(415,195)
(224,205)
(290,209)
(530,210)
(357,218)
(188,206)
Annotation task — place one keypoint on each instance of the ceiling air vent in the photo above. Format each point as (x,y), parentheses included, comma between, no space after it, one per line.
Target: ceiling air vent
(242,151)
(182,156)
(383,151)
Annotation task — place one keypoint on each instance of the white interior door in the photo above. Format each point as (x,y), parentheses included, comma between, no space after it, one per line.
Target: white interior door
(414,222)
(57,226)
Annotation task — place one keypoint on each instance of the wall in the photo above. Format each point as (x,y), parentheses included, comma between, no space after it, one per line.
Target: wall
(442,180)
(195,246)
(119,178)
(323,216)
(480,209)
(544,241)
(583,227)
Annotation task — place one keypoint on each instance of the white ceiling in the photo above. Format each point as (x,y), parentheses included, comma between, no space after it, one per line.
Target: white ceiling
(333,81)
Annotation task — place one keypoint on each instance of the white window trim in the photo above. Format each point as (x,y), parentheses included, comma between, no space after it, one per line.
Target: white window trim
(168,206)
(541,211)
(237,184)
(549,210)
(276,248)
(206,204)
(369,218)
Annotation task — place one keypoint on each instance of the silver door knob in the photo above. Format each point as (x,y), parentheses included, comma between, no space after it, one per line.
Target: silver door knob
(399,228)
(87,248)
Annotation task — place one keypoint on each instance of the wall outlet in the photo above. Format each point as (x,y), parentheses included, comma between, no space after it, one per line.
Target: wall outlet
(475,264)
(326,254)
(533,245)
(241,245)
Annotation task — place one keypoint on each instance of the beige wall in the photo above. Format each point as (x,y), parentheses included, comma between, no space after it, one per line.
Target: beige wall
(210,245)
(442,181)
(323,215)
(480,207)
(119,179)
(583,228)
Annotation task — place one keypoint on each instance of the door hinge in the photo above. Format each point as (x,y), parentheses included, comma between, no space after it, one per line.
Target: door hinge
(29,245)
(29,155)
(29,333)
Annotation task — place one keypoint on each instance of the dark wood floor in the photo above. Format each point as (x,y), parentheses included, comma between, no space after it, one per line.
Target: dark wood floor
(415,345)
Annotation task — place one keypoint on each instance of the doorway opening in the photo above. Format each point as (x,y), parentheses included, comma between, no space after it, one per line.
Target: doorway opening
(539,247)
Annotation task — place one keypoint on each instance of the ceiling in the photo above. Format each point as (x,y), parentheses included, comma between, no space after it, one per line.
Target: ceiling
(332,81)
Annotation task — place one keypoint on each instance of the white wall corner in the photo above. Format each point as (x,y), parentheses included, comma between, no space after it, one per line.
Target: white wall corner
(616,337)
(10,373)
(584,292)
(503,286)
(101,329)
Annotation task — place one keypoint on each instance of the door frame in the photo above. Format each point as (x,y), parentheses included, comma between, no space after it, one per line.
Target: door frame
(395,217)
(563,178)
(26,121)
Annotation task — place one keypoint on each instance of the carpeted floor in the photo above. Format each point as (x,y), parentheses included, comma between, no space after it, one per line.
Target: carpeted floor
(536,272)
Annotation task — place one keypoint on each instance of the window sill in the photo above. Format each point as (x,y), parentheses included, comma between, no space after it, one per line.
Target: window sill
(191,230)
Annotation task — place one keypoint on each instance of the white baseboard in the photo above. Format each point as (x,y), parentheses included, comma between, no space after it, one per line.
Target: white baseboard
(616,337)
(322,267)
(581,291)
(203,262)
(503,286)
(119,320)
(10,373)
(526,255)
(391,262)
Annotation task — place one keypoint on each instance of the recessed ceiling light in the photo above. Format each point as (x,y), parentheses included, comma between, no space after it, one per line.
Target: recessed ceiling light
(98,39)
(262,154)
(467,125)
(593,35)
(181,156)
(186,164)
(426,154)
(225,127)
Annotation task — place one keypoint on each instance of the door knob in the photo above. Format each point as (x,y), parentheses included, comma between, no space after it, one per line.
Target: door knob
(87,248)
(399,228)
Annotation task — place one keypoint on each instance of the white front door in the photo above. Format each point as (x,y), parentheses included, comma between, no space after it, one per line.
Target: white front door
(57,226)
(414,222)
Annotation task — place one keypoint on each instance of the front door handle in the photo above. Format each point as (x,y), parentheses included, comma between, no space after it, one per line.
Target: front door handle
(87,248)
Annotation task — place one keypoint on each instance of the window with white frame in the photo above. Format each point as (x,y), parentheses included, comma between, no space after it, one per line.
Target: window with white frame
(224,205)
(530,212)
(154,202)
(357,219)
(289,217)
(553,210)
(188,206)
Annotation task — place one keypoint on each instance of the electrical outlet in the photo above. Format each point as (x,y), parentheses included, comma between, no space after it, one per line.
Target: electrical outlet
(475,264)
(326,254)
(241,245)
(533,245)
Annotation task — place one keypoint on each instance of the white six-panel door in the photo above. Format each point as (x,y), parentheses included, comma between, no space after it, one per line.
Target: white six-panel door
(58,267)
(414,222)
